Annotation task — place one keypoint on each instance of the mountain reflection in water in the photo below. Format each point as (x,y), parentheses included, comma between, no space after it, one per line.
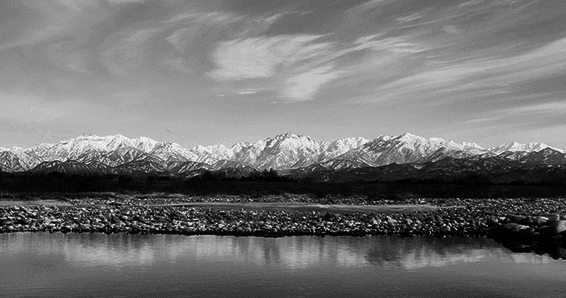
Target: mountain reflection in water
(288,252)
(173,266)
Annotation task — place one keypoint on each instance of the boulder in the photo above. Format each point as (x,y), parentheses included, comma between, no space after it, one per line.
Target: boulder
(540,220)
(557,227)
(514,227)
(492,221)
(391,221)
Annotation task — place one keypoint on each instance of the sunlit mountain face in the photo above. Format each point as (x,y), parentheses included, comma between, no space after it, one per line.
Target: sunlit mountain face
(406,156)
(222,71)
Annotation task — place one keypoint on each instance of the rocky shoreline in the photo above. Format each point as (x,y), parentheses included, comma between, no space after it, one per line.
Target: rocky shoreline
(521,224)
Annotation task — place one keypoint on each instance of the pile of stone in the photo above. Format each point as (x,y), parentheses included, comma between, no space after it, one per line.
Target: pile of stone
(528,228)
(142,214)
(189,220)
(163,198)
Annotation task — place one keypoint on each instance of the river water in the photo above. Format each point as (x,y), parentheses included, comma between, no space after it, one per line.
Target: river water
(99,265)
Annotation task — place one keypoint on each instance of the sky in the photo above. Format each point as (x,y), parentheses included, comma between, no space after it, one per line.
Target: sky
(224,71)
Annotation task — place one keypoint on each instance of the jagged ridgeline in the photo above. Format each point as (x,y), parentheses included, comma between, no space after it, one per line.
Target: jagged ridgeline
(405,157)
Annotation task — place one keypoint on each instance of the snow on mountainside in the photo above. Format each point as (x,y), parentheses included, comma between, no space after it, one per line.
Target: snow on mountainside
(283,151)
(288,151)
(144,144)
(211,154)
(125,155)
(516,147)
(173,152)
(341,146)
(75,147)
(407,148)
(120,154)
(247,153)
(546,156)
(182,168)
(10,162)
(69,167)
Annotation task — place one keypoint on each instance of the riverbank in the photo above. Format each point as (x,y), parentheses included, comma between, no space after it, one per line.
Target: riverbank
(220,219)
(528,219)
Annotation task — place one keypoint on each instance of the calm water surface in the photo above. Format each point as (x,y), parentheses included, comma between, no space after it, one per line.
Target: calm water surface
(98,265)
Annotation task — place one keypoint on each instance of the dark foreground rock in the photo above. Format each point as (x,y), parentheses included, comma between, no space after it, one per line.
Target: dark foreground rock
(541,235)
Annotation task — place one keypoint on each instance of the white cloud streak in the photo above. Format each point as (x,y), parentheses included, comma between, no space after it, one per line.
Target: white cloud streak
(124,1)
(210,18)
(247,92)
(259,57)
(483,77)
(299,64)
(296,63)
(558,107)
(303,86)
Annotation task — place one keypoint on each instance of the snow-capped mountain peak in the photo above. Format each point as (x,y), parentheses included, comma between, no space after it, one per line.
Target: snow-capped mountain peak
(472,145)
(409,137)
(288,135)
(120,154)
(144,144)
(345,144)
(518,147)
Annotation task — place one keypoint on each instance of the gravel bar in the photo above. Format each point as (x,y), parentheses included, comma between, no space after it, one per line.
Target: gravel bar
(521,224)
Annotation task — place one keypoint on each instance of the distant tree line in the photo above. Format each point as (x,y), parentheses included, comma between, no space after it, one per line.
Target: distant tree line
(270,182)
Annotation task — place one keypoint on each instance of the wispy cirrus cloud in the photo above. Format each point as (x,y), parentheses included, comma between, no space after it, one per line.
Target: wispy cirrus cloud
(542,106)
(298,66)
(398,64)
(125,50)
(409,18)
(54,19)
(202,28)
(124,1)
(247,92)
(193,36)
(216,17)
(261,56)
(295,65)
(496,74)
(459,56)
(68,56)
(303,86)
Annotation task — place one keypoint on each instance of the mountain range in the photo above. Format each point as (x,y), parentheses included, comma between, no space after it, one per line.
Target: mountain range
(383,158)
